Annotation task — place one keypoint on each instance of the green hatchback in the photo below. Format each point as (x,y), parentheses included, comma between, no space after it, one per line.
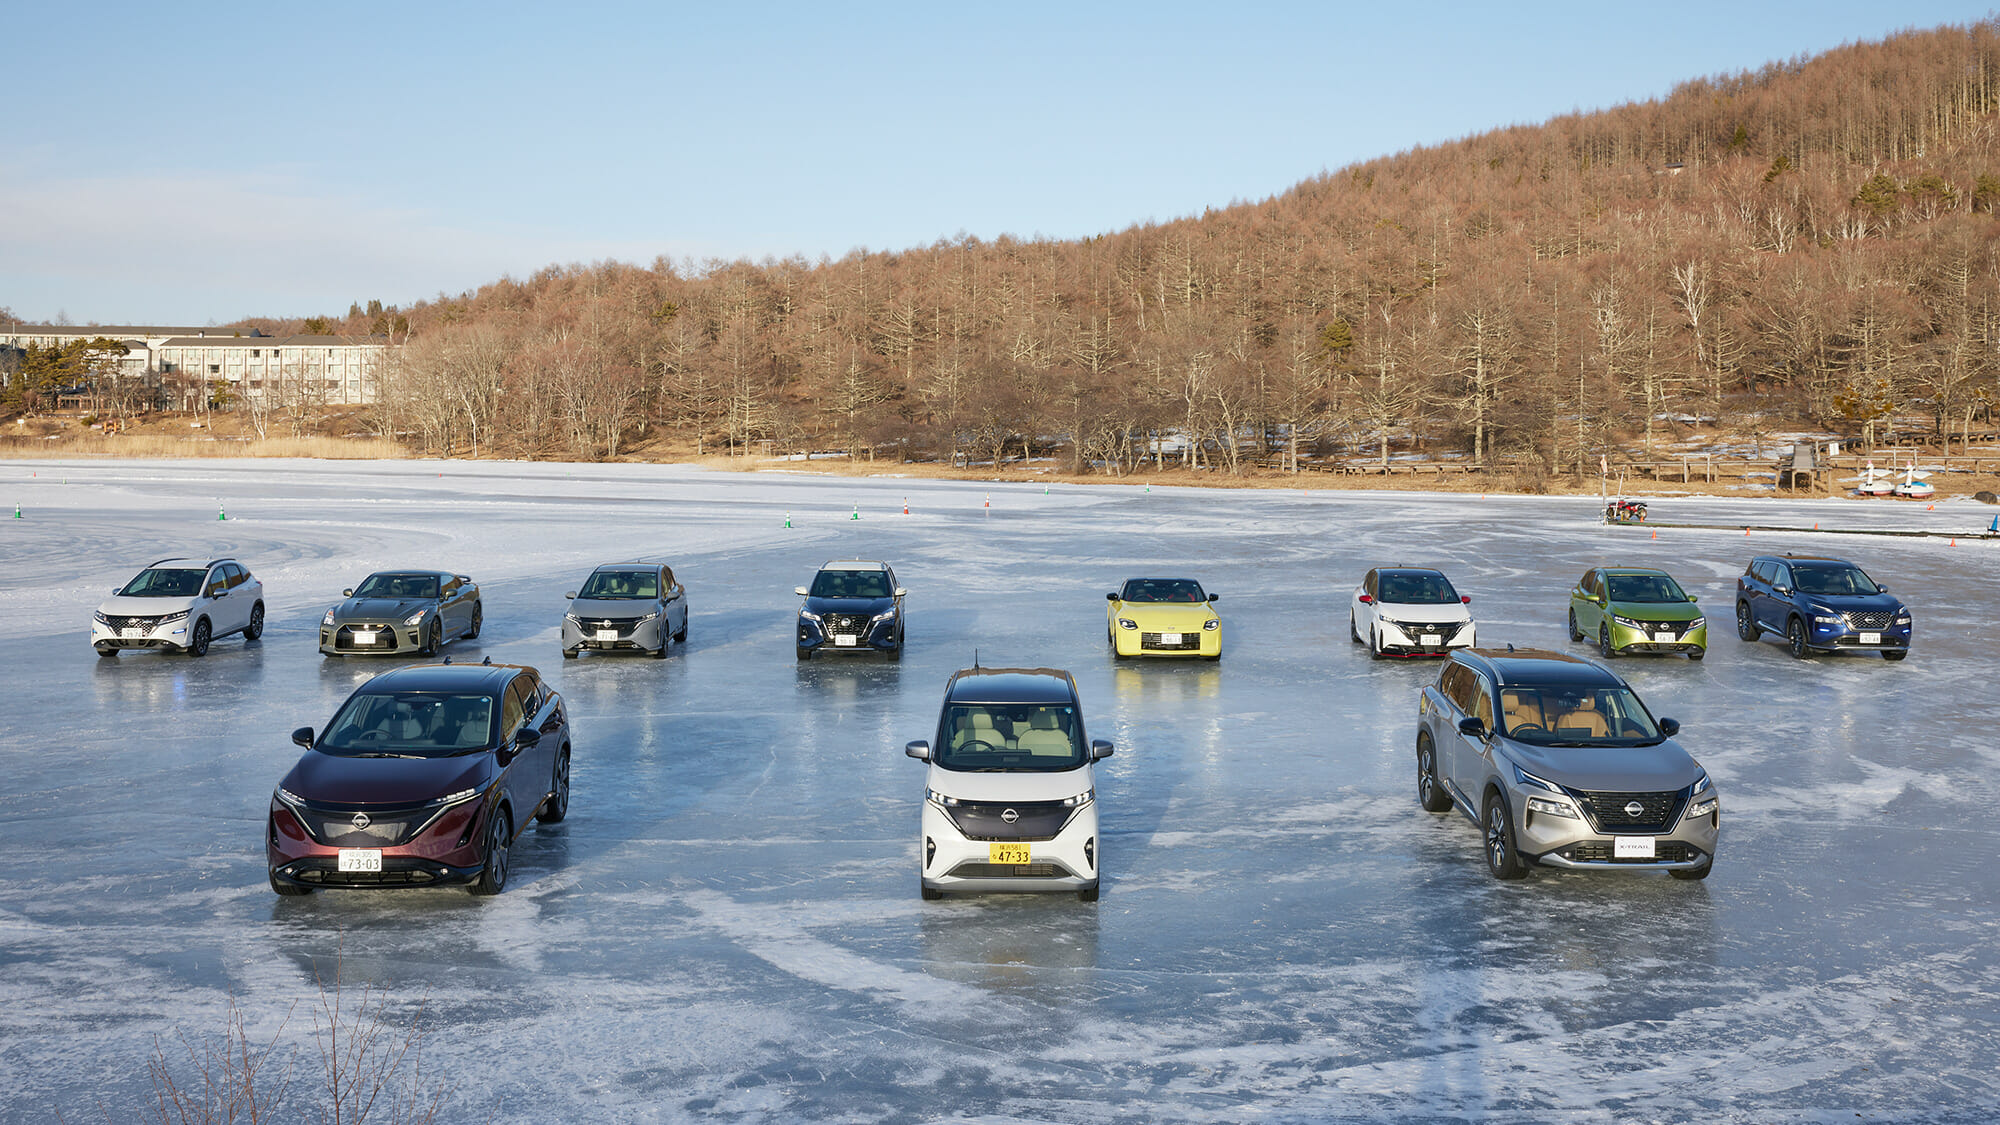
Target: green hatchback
(1633,609)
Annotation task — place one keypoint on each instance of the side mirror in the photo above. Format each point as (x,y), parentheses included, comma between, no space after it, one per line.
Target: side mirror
(920,750)
(1782,591)
(1100,749)
(1692,598)
(1465,599)
(1882,587)
(1366,599)
(571,595)
(303,737)
(900,591)
(219,594)
(1111,597)
(527,738)
(1670,727)
(1472,726)
(347,593)
(1215,597)
(799,590)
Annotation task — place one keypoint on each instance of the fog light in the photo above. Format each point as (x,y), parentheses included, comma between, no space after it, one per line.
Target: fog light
(1090,852)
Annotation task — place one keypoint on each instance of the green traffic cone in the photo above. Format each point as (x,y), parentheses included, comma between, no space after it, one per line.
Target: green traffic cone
(857,513)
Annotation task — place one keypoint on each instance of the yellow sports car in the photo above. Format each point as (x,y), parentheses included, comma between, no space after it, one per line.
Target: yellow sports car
(1163,617)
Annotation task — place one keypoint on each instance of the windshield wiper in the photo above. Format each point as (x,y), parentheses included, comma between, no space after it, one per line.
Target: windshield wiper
(386,754)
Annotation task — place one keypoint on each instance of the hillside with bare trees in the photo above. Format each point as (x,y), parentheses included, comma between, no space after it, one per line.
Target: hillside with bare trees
(1812,245)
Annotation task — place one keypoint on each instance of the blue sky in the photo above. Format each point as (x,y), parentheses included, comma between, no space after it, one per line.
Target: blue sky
(196,164)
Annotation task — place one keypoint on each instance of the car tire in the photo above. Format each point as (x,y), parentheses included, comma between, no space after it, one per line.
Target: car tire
(433,639)
(895,655)
(1697,654)
(198,638)
(1353,634)
(107,651)
(1795,639)
(557,805)
(1375,644)
(1087,894)
(661,652)
(255,629)
(1693,872)
(1746,627)
(805,653)
(493,878)
(1430,793)
(1894,653)
(288,890)
(569,654)
(478,619)
(1605,648)
(681,637)
(929,894)
(1498,825)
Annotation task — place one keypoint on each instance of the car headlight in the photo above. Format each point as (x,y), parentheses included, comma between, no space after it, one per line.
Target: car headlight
(808,615)
(1211,625)
(941,799)
(1902,619)
(1082,798)
(100,618)
(455,798)
(882,616)
(416,618)
(573,619)
(1627,622)
(328,619)
(289,798)
(1697,623)
(1527,780)
(167,618)
(645,617)
(1704,800)
(1829,619)
(1552,807)
(1127,623)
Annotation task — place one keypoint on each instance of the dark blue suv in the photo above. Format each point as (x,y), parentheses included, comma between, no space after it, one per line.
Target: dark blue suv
(853,605)
(1820,605)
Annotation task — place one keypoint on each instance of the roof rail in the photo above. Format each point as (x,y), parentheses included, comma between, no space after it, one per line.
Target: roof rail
(171,558)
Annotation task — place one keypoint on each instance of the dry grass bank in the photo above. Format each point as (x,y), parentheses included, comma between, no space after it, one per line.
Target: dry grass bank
(158,446)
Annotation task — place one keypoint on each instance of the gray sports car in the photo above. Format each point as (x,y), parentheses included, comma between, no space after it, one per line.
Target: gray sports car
(402,612)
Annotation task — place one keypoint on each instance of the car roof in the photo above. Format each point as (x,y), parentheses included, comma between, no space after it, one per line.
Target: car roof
(1161,578)
(1537,666)
(427,573)
(1633,570)
(1010,685)
(630,566)
(445,677)
(1790,558)
(854,564)
(1380,570)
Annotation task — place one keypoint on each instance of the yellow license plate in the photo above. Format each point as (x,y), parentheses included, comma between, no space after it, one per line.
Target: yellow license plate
(1008,853)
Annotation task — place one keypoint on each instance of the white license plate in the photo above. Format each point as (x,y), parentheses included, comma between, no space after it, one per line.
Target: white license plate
(1432,638)
(842,640)
(361,859)
(607,634)
(362,638)
(1170,638)
(1632,847)
(135,633)
(1664,638)
(1871,638)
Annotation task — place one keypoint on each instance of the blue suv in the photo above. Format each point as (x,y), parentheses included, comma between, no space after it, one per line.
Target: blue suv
(1820,605)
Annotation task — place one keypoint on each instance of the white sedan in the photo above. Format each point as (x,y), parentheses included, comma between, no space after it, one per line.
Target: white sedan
(1409,611)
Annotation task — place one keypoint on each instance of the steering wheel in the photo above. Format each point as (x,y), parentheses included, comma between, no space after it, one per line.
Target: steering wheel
(372,736)
(1524,728)
(977,742)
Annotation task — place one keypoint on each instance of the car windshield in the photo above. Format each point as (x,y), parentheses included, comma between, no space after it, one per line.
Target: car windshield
(851,584)
(1645,588)
(621,585)
(398,586)
(423,724)
(1009,738)
(154,582)
(1577,715)
(1833,580)
(1416,589)
(1182,590)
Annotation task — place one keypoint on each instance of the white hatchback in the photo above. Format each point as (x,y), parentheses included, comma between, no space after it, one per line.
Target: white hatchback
(1010,802)
(180,605)
(1409,611)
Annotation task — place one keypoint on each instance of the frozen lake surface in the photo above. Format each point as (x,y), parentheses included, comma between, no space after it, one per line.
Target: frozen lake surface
(727,926)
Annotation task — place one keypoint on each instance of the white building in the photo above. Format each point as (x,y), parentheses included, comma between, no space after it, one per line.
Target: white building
(333,370)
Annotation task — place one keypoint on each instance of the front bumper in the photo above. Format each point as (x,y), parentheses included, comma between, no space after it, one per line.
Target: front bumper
(446,852)
(832,633)
(647,635)
(1626,638)
(391,637)
(1829,638)
(1200,642)
(1557,841)
(950,862)
(1424,638)
(168,635)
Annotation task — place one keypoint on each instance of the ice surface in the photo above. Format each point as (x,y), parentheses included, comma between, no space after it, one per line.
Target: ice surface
(727,926)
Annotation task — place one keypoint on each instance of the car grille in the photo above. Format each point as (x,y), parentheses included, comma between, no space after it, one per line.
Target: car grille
(622,625)
(1664,851)
(1445,631)
(389,877)
(1873,621)
(385,640)
(386,828)
(980,870)
(846,624)
(1035,820)
(1655,627)
(120,624)
(1657,811)
(1189,642)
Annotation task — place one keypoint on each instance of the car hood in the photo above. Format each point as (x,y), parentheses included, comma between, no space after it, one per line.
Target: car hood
(122,606)
(1854,603)
(1441,612)
(1614,769)
(322,778)
(614,607)
(868,607)
(1656,611)
(1186,615)
(380,609)
(1023,786)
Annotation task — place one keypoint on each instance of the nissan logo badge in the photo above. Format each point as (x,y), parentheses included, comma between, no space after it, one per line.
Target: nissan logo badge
(1010,816)
(1634,808)
(360,821)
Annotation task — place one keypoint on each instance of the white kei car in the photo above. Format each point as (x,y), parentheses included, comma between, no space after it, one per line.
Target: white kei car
(180,605)
(1409,611)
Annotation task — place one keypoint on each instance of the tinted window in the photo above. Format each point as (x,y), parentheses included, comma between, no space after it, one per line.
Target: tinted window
(151,583)
(1010,737)
(1456,683)
(851,584)
(423,724)
(1181,590)
(1645,588)
(1834,580)
(1577,715)
(398,586)
(620,585)
(1417,589)
(513,711)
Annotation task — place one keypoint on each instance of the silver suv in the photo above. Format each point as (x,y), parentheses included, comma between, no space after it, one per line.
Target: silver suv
(1559,763)
(180,605)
